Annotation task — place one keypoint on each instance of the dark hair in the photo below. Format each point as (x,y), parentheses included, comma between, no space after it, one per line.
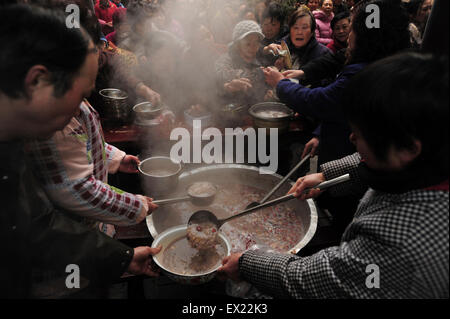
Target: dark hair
(87,16)
(412,6)
(410,101)
(300,13)
(273,11)
(322,1)
(32,36)
(376,43)
(338,17)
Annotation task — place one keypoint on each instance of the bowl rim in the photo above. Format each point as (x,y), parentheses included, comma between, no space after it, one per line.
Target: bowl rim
(252,112)
(154,109)
(101,92)
(179,228)
(180,166)
(192,117)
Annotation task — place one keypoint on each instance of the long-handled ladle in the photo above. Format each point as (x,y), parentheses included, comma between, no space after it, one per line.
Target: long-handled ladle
(197,197)
(205,216)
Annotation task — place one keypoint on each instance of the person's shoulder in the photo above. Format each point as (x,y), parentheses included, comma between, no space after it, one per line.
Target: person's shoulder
(318,14)
(319,48)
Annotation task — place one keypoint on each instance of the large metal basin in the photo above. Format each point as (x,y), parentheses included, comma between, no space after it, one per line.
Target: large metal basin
(174,215)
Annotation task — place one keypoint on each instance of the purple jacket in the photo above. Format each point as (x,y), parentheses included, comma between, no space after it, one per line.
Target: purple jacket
(324,104)
(324,33)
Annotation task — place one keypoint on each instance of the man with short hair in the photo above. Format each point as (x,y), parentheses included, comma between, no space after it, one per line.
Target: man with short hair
(45,71)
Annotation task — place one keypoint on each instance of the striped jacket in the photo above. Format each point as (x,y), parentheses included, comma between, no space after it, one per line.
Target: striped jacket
(397,246)
(73,167)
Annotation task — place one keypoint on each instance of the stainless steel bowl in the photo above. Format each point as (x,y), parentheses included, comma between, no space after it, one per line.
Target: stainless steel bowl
(260,120)
(170,235)
(115,105)
(159,175)
(205,119)
(146,111)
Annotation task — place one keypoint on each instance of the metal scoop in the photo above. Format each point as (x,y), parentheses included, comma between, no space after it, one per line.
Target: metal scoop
(204,216)
(254,204)
(196,197)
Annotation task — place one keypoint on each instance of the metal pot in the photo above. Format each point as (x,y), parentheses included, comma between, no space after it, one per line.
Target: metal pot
(261,119)
(166,238)
(115,106)
(232,115)
(205,120)
(159,175)
(174,215)
(146,111)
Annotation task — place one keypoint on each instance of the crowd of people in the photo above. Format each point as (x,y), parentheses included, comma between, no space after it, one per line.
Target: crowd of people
(379,108)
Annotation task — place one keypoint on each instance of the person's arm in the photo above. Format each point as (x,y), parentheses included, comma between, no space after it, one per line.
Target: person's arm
(58,241)
(345,165)
(319,103)
(331,170)
(336,272)
(67,174)
(326,66)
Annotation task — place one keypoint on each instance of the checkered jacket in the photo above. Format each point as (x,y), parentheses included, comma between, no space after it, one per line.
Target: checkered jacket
(396,247)
(73,167)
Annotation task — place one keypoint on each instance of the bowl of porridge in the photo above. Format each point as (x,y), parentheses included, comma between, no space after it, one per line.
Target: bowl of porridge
(271,115)
(182,262)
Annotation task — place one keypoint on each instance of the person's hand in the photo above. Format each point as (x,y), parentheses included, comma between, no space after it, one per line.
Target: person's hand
(238,85)
(148,94)
(272,47)
(151,206)
(308,181)
(269,95)
(230,267)
(129,164)
(311,147)
(293,74)
(272,76)
(142,262)
(279,64)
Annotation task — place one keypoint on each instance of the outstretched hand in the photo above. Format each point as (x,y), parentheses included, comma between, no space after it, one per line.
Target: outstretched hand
(142,262)
(308,181)
(230,267)
(272,76)
(129,164)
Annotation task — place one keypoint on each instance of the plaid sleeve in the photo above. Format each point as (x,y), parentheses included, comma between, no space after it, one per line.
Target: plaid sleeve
(81,193)
(346,165)
(335,272)
(113,157)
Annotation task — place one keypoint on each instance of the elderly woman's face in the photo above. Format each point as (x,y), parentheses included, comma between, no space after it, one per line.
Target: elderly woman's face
(300,32)
(248,47)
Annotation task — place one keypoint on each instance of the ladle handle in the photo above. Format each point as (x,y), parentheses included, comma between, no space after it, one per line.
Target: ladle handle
(171,200)
(285,198)
(273,202)
(285,178)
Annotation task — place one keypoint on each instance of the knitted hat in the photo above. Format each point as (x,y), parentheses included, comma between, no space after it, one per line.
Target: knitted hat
(244,28)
